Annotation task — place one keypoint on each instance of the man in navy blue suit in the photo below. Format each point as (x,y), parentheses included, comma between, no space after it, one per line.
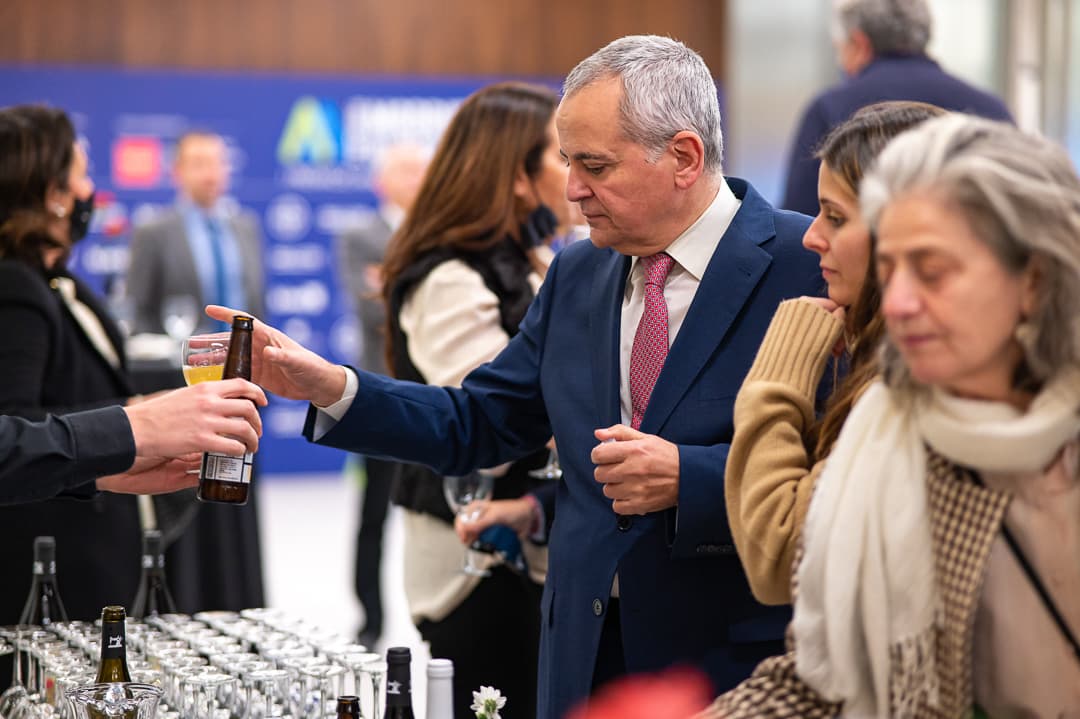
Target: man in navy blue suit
(881,47)
(631,355)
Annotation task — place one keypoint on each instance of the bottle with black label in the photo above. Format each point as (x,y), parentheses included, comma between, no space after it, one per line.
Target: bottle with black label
(348,707)
(43,605)
(398,684)
(113,666)
(224,478)
(153,595)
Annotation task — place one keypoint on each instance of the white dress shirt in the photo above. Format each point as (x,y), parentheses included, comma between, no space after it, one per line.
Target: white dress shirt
(692,252)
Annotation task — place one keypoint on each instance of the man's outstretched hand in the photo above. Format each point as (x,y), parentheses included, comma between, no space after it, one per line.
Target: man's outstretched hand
(286,368)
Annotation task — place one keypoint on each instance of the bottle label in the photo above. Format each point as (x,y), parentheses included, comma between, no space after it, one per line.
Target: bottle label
(39,567)
(112,634)
(398,693)
(226,468)
(147,561)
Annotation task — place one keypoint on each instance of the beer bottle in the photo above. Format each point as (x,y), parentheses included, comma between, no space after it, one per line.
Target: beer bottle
(153,595)
(43,605)
(113,666)
(348,707)
(398,684)
(225,478)
(440,689)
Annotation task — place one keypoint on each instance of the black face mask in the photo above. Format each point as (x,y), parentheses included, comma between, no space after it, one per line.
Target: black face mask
(538,226)
(80,217)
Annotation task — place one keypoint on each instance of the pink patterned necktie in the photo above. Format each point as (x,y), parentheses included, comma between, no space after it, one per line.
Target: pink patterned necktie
(651,339)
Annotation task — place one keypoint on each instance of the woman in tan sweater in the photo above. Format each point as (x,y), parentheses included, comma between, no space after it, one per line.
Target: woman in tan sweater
(779,447)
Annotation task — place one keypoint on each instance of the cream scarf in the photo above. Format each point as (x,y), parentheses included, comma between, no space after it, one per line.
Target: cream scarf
(866,581)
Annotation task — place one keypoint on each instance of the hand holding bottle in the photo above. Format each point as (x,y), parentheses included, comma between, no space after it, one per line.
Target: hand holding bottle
(154,475)
(286,368)
(215,416)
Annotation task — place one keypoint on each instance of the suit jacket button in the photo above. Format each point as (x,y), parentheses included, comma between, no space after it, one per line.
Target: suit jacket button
(624,523)
(597,607)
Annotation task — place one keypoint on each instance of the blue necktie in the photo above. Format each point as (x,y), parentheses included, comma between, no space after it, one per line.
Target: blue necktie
(221,289)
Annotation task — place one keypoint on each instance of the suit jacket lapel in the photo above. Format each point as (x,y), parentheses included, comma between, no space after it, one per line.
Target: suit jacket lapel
(605,316)
(736,267)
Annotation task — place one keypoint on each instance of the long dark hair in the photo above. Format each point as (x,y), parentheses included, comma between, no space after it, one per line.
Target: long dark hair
(466,200)
(848,151)
(36,152)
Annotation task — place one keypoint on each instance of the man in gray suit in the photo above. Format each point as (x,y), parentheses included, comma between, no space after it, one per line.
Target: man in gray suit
(197,252)
(396,180)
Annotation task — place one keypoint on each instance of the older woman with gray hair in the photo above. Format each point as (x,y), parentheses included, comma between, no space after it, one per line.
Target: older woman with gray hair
(941,559)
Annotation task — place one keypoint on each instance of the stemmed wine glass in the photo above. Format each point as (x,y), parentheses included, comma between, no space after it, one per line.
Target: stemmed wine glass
(203,357)
(461,491)
(551,470)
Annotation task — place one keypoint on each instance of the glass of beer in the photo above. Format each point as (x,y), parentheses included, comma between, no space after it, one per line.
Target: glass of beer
(203,357)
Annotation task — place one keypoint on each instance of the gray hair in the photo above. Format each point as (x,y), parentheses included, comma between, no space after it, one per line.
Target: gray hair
(1021,196)
(667,88)
(893,26)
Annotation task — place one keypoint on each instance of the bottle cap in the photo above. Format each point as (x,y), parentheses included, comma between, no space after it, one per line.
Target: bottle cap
(398,655)
(44,549)
(244,321)
(440,669)
(347,701)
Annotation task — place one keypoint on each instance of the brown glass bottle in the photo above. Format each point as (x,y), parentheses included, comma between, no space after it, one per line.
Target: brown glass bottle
(348,707)
(113,666)
(224,478)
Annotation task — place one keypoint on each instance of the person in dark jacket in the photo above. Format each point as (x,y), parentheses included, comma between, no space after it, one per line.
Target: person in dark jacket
(881,47)
(147,448)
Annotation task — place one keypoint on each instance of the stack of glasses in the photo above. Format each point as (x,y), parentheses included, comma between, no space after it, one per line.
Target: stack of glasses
(256,664)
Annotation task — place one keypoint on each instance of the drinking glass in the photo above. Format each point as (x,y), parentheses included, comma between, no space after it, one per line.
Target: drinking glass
(321,686)
(179,315)
(268,693)
(551,470)
(376,672)
(460,492)
(122,699)
(203,357)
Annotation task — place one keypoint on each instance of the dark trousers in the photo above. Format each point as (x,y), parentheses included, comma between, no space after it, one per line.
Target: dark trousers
(493,638)
(369,542)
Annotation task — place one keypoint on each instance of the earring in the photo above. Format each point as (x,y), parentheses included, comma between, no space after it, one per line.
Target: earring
(1026,334)
(59,211)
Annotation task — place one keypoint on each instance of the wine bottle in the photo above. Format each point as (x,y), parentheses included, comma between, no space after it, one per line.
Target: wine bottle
(113,666)
(153,595)
(398,684)
(440,689)
(224,478)
(348,707)
(43,604)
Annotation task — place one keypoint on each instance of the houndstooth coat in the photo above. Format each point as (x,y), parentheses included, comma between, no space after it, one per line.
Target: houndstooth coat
(964,518)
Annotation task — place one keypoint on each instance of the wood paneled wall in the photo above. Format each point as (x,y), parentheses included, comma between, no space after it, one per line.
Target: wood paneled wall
(430,37)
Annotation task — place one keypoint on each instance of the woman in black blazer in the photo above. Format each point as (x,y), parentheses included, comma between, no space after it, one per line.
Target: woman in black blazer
(59,353)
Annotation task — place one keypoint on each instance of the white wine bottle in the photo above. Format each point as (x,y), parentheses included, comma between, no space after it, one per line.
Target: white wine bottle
(440,689)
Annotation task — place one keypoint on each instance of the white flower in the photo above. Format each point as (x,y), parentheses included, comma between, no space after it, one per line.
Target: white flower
(487,702)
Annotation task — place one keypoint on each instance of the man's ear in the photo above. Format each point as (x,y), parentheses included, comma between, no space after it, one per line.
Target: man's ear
(689,153)
(857,52)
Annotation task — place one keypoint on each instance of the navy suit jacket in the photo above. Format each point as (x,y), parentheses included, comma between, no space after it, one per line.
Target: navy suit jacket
(683,595)
(889,77)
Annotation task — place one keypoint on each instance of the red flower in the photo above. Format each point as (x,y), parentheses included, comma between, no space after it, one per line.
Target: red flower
(675,694)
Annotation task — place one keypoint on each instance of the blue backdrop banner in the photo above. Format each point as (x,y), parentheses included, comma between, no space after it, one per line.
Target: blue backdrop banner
(301,149)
